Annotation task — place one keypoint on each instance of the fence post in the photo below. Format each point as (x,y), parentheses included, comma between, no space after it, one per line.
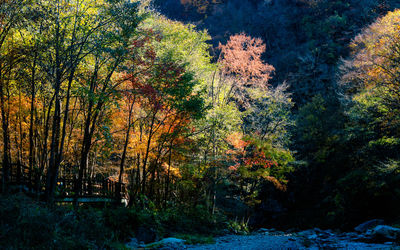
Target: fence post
(18,180)
(90,190)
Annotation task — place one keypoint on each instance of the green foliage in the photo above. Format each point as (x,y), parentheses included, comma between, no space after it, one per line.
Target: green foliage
(238,227)
(123,222)
(370,191)
(270,115)
(317,126)
(25,223)
(191,220)
(29,224)
(180,220)
(183,44)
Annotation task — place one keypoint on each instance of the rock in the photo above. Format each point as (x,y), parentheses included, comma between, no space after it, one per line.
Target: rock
(362,228)
(146,235)
(173,242)
(324,235)
(124,202)
(306,233)
(167,244)
(386,232)
(313,237)
(132,244)
(357,237)
(263,230)
(277,233)
(351,235)
(316,229)
(330,231)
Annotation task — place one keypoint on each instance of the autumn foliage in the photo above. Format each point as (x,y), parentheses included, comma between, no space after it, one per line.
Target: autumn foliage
(241,56)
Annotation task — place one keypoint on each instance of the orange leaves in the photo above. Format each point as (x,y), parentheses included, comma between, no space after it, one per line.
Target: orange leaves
(235,139)
(278,185)
(245,153)
(241,56)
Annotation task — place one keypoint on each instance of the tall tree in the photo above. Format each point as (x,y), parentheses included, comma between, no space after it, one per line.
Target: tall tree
(109,53)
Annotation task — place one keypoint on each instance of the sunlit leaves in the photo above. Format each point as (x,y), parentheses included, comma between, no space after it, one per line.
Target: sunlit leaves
(241,57)
(372,74)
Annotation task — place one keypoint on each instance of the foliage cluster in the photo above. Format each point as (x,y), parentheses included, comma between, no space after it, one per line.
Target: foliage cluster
(345,135)
(112,89)
(201,134)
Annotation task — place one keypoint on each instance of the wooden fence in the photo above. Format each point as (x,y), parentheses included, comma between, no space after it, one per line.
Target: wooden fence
(23,178)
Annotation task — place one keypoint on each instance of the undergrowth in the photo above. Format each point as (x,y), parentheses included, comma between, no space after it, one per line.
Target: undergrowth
(29,224)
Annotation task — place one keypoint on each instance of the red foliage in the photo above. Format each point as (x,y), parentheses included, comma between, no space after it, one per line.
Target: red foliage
(247,154)
(241,56)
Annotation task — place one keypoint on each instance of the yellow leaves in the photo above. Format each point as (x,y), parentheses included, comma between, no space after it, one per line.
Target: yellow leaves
(173,171)
(376,50)
(378,35)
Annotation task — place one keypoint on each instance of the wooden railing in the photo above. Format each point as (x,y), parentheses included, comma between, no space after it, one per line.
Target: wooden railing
(22,177)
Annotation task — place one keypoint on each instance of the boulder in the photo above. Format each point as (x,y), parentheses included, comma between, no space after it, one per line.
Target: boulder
(167,244)
(172,241)
(362,228)
(385,232)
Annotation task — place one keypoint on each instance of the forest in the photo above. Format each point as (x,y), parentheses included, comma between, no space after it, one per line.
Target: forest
(193,119)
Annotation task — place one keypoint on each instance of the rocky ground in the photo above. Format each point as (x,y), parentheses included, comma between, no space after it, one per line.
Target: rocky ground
(310,239)
(369,235)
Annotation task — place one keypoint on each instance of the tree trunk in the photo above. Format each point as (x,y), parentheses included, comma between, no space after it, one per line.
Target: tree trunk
(123,157)
(147,153)
(4,119)
(31,124)
(52,171)
(168,174)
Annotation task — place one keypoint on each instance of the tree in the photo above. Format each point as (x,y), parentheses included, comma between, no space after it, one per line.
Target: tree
(370,79)
(373,69)
(110,50)
(240,58)
(270,115)
(12,14)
